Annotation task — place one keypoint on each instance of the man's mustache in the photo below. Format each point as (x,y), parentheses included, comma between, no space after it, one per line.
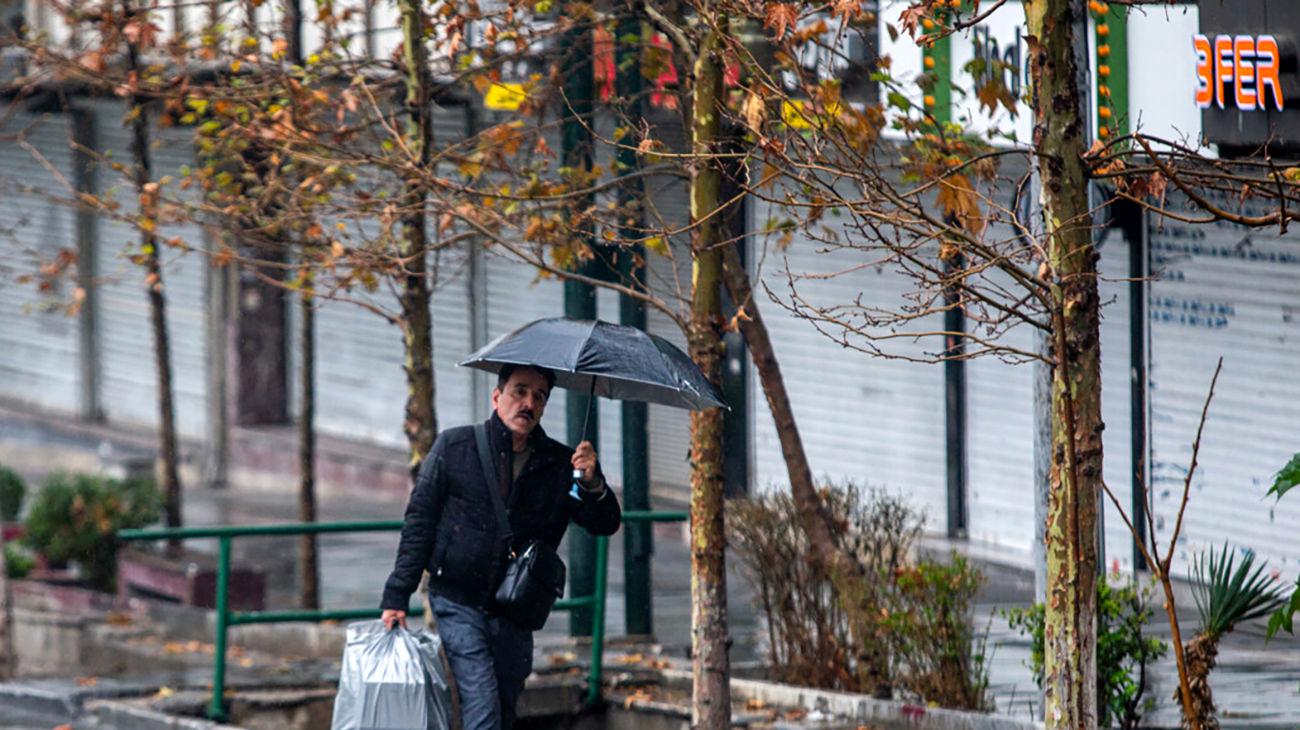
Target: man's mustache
(526,412)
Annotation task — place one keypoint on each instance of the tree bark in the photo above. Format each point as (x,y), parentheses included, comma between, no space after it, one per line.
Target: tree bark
(421,419)
(6,619)
(711,701)
(147,194)
(1072,541)
(308,560)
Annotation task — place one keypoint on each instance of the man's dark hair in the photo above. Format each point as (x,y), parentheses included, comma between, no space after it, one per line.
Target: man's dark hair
(503,376)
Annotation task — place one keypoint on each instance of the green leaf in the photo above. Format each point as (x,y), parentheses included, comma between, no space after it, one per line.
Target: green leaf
(1287,478)
(1282,617)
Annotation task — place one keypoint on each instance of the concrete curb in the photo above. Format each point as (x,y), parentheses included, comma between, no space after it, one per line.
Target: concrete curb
(862,709)
(40,700)
(120,714)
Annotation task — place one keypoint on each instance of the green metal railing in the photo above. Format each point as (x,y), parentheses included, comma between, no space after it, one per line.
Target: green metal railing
(227,618)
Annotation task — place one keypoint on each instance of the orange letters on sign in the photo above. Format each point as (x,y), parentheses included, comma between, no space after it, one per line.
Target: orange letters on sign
(1243,47)
(1223,68)
(1269,61)
(1204,71)
(1243,71)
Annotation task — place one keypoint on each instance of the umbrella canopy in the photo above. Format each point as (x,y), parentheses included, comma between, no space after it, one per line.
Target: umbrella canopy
(608,360)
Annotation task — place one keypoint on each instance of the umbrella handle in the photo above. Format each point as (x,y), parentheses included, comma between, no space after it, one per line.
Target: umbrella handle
(575,490)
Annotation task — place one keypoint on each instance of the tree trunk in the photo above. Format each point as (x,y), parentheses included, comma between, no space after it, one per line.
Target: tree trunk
(6,619)
(711,703)
(814,520)
(308,561)
(1059,139)
(147,194)
(421,420)
(1202,654)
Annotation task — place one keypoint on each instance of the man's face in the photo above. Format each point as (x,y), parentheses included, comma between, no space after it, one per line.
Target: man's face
(521,402)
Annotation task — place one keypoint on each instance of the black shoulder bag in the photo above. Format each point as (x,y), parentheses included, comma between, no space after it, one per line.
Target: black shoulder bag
(535,575)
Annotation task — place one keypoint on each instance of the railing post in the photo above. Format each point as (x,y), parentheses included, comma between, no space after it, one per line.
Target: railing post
(217,708)
(598,621)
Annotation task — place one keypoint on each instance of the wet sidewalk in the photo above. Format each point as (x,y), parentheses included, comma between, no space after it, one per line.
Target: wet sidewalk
(1257,684)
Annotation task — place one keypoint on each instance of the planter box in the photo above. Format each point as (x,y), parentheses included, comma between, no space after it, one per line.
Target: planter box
(188,578)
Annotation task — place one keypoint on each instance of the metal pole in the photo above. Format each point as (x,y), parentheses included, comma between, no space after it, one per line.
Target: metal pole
(954,387)
(217,708)
(638,538)
(579,299)
(1136,233)
(598,622)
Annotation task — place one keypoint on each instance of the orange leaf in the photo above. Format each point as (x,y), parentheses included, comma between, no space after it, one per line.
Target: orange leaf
(958,200)
(781,16)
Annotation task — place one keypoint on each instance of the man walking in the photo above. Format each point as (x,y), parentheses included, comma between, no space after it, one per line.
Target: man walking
(451,531)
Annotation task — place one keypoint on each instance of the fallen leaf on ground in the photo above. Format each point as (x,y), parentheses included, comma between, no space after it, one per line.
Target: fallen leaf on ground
(753,703)
(638,696)
(87,681)
(118,618)
(163,693)
(631,658)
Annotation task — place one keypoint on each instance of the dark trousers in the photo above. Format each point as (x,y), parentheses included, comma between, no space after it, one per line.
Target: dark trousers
(490,658)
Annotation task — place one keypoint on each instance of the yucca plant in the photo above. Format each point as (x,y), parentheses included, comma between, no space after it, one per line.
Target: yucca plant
(1226,593)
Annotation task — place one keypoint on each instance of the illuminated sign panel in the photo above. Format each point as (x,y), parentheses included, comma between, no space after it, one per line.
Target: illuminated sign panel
(1239,70)
(1243,69)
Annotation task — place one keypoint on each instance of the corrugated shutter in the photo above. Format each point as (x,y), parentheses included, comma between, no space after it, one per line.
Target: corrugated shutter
(516,296)
(360,382)
(129,377)
(1000,426)
(668,207)
(38,340)
(1231,292)
(1116,386)
(870,420)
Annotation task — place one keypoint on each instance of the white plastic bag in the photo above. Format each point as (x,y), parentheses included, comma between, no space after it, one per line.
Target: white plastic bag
(392,680)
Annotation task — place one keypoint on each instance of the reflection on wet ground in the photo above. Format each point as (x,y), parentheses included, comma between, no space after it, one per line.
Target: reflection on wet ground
(1255,685)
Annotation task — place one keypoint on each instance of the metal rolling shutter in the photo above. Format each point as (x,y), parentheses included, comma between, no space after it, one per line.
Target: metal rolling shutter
(668,206)
(129,377)
(864,419)
(1116,407)
(1232,292)
(1000,413)
(38,341)
(1000,428)
(516,296)
(360,382)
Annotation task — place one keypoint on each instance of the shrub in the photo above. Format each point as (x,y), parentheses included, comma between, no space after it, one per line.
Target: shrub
(919,630)
(808,637)
(18,562)
(937,655)
(74,518)
(1123,651)
(12,491)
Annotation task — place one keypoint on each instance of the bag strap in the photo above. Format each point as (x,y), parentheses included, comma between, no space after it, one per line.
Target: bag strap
(490,480)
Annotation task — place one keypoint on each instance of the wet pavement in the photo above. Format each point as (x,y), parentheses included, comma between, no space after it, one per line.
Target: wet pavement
(1256,684)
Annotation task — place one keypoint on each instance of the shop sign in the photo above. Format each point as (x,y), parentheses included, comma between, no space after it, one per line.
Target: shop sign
(1238,70)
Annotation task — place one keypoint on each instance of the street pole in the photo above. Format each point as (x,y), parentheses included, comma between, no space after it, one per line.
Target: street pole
(579,298)
(638,539)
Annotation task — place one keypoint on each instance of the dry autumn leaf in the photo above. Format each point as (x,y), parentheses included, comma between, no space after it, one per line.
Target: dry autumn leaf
(780,16)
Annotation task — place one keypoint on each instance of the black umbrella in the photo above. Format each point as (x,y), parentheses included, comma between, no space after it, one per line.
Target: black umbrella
(608,360)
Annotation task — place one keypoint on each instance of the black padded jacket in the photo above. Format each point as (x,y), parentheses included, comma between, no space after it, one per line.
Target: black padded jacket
(451,525)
